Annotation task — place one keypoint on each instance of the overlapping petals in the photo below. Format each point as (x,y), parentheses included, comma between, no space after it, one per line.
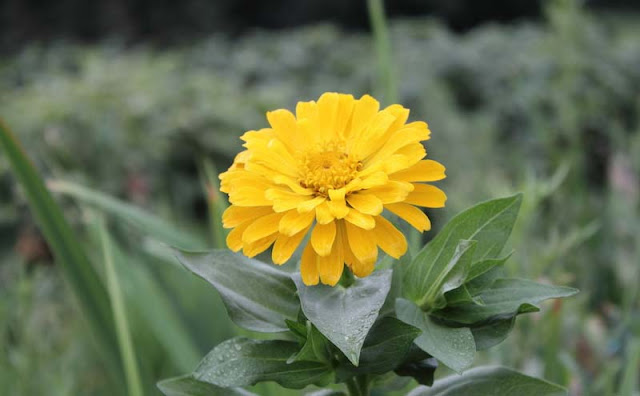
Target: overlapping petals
(329,171)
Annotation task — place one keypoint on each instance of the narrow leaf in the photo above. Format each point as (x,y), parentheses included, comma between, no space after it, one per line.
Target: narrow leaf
(146,222)
(345,315)
(490,381)
(505,298)
(258,296)
(454,347)
(186,385)
(488,223)
(241,362)
(315,347)
(449,277)
(67,249)
(127,353)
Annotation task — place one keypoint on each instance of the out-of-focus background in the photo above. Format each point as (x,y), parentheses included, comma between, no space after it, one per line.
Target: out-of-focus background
(142,99)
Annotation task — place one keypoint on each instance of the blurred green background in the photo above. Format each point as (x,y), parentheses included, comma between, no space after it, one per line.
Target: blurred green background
(544,100)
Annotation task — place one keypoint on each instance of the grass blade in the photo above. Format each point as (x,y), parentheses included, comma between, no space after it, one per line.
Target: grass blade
(127,353)
(386,77)
(72,259)
(630,375)
(152,225)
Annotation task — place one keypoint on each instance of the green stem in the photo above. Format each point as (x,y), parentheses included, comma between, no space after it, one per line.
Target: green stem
(347,278)
(383,49)
(363,382)
(352,387)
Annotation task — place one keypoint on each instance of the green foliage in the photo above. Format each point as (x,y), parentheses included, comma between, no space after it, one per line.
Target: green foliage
(491,381)
(342,336)
(241,362)
(443,263)
(189,386)
(345,314)
(243,284)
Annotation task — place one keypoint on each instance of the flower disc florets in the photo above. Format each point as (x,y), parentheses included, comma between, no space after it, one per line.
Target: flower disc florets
(331,169)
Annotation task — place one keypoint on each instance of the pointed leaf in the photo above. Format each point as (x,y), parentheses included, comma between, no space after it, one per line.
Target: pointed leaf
(481,267)
(258,296)
(345,315)
(505,298)
(422,370)
(454,347)
(450,277)
(492,333)
(314,349)
(488,223)
(384,349)
(490,381)
(241,362)
(186,385)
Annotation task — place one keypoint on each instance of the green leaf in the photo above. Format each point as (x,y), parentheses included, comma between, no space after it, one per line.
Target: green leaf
(67,250)
(460,295)
(258,296)
(241,362)
(186,385)
(127,352)
(345,315)
(454,347)
(422,369)
(490,381)
(481,267)
(488,223)
(505,298)
(384,349)
(314,349)
(152,225)
(449,277)
(492,333)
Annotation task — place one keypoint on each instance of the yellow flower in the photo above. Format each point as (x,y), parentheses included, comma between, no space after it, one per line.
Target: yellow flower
(331,169)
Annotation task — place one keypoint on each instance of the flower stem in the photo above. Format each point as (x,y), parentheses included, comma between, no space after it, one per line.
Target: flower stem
(353,388)
(386,78)
(347,278)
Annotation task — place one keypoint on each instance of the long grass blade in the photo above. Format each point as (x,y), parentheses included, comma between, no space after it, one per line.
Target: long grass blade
(386,77)
(127,353)
(148,223)
(67,250)
(630,375)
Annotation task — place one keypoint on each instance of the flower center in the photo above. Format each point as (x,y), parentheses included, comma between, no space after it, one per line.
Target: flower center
(330,168)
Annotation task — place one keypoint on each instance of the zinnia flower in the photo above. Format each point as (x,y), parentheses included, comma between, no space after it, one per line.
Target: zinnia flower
(330,170)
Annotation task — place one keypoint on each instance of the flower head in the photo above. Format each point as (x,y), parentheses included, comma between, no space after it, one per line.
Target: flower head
(330,170)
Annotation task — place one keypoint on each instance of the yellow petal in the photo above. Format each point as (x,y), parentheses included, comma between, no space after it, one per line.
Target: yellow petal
(343,116)
(389,238)
(286,245)
(361,220)
(293,222)
(322,238)
(412,215)
(330,267)
(365,203)
(261,228)
(259,246)
(426,195)
(234,238)
(310,205)
(337,204)
(362,244)
(284,126)
(233,216)
(309,266)
(327,110)
(425,170)
(361,269)
(363,112)
(392,192)
(323,213)
(284,200)
(306,110)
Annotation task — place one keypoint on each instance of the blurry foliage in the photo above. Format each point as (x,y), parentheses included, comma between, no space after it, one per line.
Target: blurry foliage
(549,109)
